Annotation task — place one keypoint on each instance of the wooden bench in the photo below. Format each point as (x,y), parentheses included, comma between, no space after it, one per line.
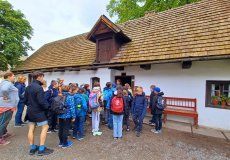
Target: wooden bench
(186,107)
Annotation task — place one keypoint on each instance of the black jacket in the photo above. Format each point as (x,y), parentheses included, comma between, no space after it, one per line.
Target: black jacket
(153,100)
(127,102)
(36,102)
(155,109)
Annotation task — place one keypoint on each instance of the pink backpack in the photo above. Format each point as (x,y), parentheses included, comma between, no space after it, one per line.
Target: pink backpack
(93,103)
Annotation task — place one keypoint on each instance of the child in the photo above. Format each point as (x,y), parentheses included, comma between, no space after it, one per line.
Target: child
(107,96)
(139,107)
(94,98)
(127,109)
(65,119)
(80,110)
(117,110)
(158,107)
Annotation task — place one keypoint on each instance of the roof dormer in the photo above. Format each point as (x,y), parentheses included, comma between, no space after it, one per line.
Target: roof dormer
(108,38)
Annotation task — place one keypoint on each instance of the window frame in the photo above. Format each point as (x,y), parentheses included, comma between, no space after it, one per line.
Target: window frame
(208,96)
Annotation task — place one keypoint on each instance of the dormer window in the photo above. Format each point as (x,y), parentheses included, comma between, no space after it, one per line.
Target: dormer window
(108,38)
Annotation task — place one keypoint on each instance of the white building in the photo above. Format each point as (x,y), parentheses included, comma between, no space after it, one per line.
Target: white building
(185,51)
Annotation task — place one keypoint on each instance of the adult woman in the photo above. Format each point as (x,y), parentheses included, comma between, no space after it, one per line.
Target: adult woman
(20,85)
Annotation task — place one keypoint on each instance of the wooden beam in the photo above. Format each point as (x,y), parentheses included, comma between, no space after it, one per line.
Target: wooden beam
(145,66)
(120,68)
(58,69)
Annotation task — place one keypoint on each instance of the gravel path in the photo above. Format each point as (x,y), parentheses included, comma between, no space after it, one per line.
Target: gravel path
(169,145)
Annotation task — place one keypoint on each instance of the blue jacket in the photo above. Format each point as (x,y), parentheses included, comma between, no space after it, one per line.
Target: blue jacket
(139,105)
(80,110)
(70,106)
(21,90)
(107,96)
(50,94)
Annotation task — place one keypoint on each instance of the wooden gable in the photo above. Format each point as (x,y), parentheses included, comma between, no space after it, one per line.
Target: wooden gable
(108,38)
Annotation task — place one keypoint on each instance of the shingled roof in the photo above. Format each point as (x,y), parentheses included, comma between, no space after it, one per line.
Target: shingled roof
(196,30)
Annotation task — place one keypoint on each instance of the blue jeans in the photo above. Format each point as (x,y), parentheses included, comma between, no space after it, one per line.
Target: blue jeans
(5,118)
(138,121)
(18,116)
(117,126)
(78,130)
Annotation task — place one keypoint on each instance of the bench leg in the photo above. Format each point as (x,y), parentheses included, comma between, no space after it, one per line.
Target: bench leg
(164,118)
(196,122)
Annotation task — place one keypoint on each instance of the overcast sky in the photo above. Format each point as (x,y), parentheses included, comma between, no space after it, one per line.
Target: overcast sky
(57,19)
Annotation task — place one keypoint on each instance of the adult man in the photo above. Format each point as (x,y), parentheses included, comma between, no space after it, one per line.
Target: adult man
(8,102)
(50,94)
(36,114)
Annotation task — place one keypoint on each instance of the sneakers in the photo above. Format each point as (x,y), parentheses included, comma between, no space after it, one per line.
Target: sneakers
(4,142)
(60,144)
(153,130)
(80,138)
(69,144)
(127,129)
(33,151)
(97,133)
(115,138)
(7,135)
(50,131)
(157,132)
(44,152)
(151,124)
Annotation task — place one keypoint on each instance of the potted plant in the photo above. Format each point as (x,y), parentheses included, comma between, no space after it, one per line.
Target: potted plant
(215,100)
(223,100)
(228,101)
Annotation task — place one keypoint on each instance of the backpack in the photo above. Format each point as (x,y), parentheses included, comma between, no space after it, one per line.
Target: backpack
(107,94)
(93,102)
(117,104)
(161,104)
(49,95)
(58,105)
(78,101)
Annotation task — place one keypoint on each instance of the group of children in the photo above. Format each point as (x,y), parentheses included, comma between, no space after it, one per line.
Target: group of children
(116,102)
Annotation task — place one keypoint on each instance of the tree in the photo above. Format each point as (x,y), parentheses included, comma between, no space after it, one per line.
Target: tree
(15,31)
(131,9)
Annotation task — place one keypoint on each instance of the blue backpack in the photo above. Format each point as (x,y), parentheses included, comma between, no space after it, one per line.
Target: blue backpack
(107,94)
(78,101)
(161,105)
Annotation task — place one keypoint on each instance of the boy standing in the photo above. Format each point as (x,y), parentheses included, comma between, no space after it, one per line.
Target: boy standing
(158,107)
(139,107)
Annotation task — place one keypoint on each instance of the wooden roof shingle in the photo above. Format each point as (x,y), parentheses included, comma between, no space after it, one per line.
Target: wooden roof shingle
(200,29)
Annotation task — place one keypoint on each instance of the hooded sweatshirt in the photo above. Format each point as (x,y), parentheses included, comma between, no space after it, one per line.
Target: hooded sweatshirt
(8,90)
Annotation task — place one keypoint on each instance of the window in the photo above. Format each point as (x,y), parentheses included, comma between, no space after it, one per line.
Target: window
(95,81)
(218,94)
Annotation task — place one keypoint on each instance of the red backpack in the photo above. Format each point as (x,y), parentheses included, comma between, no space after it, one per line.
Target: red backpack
(117,105)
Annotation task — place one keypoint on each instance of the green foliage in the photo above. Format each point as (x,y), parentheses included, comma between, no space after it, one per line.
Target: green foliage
(15,31)
(131,9)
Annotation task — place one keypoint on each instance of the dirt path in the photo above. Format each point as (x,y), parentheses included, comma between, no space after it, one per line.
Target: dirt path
(169,145)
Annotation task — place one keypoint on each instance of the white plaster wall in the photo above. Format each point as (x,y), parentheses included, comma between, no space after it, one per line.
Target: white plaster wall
(80,77)
(190,83)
